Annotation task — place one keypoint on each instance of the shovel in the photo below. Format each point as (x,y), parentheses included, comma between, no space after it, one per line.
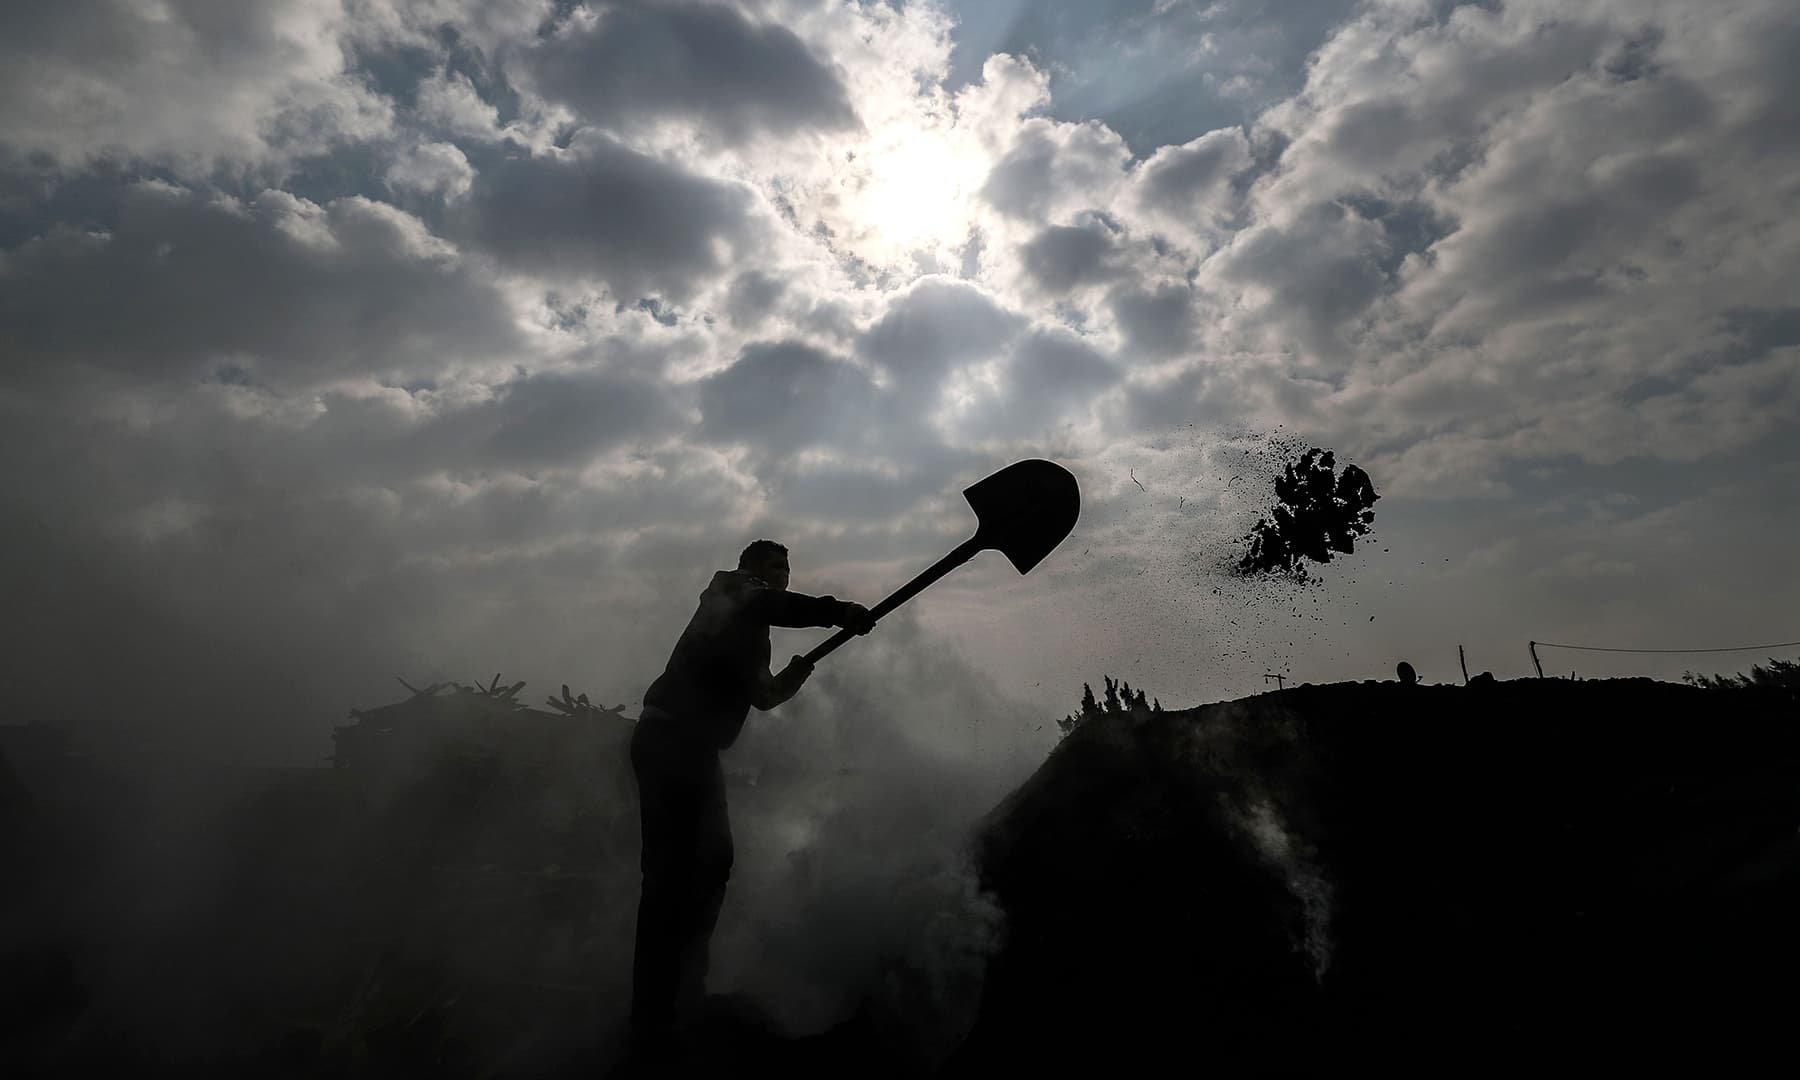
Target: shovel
(1023,511)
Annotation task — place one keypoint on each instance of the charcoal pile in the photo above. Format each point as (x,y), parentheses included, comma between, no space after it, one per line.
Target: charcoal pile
(1402,879)
(452,895)
(494,861)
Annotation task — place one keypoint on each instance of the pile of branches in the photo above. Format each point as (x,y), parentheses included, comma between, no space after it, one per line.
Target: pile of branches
(445,706)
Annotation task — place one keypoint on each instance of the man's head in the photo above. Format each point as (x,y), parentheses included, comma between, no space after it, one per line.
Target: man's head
(767,560)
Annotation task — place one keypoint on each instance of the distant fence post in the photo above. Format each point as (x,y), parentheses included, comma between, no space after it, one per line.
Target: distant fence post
(1534,660)
(1465,664)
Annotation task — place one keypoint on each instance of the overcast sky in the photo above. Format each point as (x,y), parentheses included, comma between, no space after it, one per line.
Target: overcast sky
(352,338)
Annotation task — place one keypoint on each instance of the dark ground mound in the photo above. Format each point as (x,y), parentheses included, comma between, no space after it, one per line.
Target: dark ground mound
(1535,874)
(1531,874)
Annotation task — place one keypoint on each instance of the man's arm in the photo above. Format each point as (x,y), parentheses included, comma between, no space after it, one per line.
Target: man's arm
(772,690)
(779,607)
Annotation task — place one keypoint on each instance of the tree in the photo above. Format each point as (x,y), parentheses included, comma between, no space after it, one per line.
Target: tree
(1779,675)
(1120,699)
(1089,709)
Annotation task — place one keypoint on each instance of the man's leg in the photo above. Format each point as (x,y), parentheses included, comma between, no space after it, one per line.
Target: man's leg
(712,870)
(667,804)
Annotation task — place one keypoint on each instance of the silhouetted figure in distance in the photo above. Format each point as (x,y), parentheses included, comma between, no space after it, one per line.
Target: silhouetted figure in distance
(718,670)
(1407,675)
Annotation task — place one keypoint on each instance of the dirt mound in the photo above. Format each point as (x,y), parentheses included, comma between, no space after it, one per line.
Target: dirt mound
(1422,878)
(1415,877)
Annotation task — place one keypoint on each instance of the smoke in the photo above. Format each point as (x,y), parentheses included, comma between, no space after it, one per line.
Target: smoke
(853,885)
(1257,766)
(195,929)
(1293,859)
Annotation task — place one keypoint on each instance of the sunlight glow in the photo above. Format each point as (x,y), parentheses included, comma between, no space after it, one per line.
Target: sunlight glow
(910,190)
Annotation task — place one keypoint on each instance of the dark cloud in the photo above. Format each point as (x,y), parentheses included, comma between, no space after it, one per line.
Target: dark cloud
(1156,321)
(1410,227)
(1061,257)
(1051,165)
(196,85)
(1361,123)
(1319,271)
(753,296)
(1192,177)
(605,211)
(1547,254)
(786,396)
(1051,379)
(182,283)
(932,328)
(1206,394)
(637,62)
(560,419)
(874,495)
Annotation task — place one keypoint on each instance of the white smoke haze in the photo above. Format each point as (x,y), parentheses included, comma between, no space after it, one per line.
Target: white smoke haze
(853,877)
(1304,878)
(1265,808)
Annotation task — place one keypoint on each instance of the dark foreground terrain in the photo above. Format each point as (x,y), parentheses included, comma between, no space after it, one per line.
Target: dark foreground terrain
(1526,875)
(1530,875)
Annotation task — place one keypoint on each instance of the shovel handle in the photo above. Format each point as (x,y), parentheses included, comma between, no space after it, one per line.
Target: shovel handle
(963,553)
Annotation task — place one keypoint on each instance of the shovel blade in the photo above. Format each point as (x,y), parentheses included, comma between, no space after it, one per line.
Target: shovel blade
(1025,510)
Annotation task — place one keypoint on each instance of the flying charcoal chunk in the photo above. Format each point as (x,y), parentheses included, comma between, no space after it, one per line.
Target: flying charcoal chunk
(1317,513)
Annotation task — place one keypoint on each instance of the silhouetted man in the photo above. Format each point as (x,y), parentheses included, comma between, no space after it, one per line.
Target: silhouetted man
(718,670)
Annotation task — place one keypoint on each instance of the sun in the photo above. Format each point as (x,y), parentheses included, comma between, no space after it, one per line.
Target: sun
(908,190)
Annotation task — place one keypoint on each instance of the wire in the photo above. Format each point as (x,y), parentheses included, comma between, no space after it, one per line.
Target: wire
(1596,648)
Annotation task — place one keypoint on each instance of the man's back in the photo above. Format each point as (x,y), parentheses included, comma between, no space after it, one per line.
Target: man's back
(722,658)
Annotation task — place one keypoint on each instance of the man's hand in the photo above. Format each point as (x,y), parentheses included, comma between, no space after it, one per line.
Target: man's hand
(773,690)
(793,676)
(855,617)
(780,687)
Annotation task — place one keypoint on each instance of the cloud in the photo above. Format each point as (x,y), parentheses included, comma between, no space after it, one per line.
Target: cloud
(449,101)
(1193,180)
(631,64)
(1061,257)
(1306,277)
(432,169)
(785,396)
(275,289)
(603,211)
(932,328)
(1156,322)
(1056,169)
(556,419)
(193,85)
(753,296)
(1492,221)
(1050,379)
